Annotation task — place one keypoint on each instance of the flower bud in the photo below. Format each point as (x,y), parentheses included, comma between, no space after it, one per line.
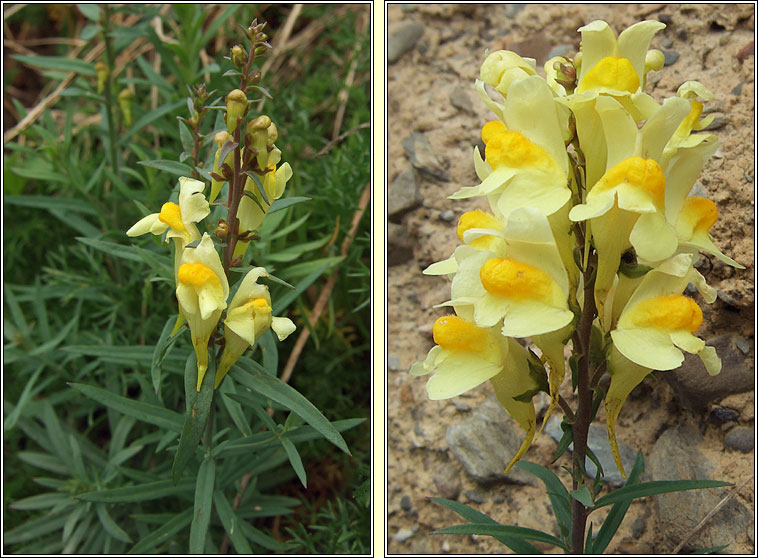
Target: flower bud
(125,104)
(238,56)
(256,137)
(236,105)
(222,229)
(102,75)
(273,134)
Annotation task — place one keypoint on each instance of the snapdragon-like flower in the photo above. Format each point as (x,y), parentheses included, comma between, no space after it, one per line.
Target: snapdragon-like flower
(525,152)
(466,356)
(179,219)
(528,288)
(248,317)
(657,320)
(201,290)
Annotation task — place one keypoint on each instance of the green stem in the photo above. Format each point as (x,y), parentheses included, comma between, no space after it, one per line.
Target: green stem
(109,60)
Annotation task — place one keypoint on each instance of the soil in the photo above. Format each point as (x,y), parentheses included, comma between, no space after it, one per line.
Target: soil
(714,46)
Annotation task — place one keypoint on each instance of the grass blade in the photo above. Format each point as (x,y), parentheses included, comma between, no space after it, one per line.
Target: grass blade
(201,516)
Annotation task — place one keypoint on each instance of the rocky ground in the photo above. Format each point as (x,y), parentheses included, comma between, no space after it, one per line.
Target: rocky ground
(687,424)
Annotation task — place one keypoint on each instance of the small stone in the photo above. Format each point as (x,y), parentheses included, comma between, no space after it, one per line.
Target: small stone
(720,415)
(669,57)
(742,344)
(448,482)
(667,42)
(460,406)
(738,88)
(498,499)
(448,216)
(445,547)
(460,99)
(665,18)
(559,50)
(404,534)
(476,496)
(393,362)
(404,195)
(719,122)
(485,442)
(405,503)
(421,156)
(638,527)
(403,40)
(399,244)
(727,299)
(740,439)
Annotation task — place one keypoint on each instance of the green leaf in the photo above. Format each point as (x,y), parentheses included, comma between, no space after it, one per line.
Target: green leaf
(165,342)
(149,118)
(499,530)
(284,203)
(137,493)
(162,534)
(90,11)
(711,550)
(201,517)
(173,167)
(23,399)
(111,526)
(295,461)
(35,528)
(261,538)
(44,461)
(51,202)
(583,495)
(283,301)
(57,63)
(618,511)
(231,523)
(140,410)
(261,382)
(41,501)
(234,408)
(516,544)
(566,440)
(651,488)
(188,143)
(196,417)
(559,496)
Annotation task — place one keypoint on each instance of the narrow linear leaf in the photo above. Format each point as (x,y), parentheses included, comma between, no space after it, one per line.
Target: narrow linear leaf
(516,544)
(559,496)
(618,511)
(109,525)
(137,493)
(174,167)
(41,501)
(196,417)
(140,410)
(162,534)
(711,550)
(201,516)
(51,202)
(281,392)
(284,203)
(231,523)
(583,495)
(295,461)
(35,528)
(60,63)
(651,488)
(499,530)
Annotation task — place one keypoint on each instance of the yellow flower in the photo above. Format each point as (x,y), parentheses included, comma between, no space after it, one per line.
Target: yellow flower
(249,317)
(466,356)
(525,152)
(616,66)
(478,230)
(528,288)
(250,213)
(695,219)
(179,219)
(201,290)
(657,321)
(220,139)
(500,69)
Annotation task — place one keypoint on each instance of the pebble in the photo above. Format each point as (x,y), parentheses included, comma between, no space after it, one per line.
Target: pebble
(667,42)
(727,299)
(740,439)
(476,496)
(421,156)
(738,88)
(448,481)
(445,547)
(484,443)
(399,244)
(720,415)
(638,527)
(404,534)
(669,57)
(405,503)
(393,362)
(448,216)
(675,456)
(695,388)
(403,40)
(743,345)
(460,406)
(404,195)
(460,99)
(719,122)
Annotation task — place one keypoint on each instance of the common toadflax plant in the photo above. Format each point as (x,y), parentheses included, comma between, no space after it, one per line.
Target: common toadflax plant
(589,243)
